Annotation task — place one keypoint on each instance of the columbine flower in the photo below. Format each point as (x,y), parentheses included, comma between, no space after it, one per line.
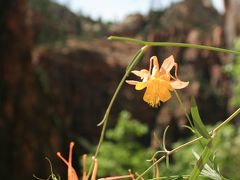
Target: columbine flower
(158,81)
(72,175)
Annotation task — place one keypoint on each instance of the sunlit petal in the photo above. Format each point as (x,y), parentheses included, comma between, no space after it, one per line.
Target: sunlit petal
(178,84)
(168,64)
(155,68)
(132,82)
(142,73)
(155,62)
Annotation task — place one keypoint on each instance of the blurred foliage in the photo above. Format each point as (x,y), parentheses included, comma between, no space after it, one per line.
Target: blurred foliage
(122,149)
(226,147)
(234,69)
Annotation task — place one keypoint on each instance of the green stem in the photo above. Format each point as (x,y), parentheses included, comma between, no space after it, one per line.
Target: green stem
(185,112)
(183,108)
(168,154)
(172,44)
(233,115)
(105,119)
(230,118)
(104,122)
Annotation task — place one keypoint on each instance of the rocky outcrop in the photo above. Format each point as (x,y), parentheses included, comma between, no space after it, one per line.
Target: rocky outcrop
(130,26)
(52,22)
(81,82)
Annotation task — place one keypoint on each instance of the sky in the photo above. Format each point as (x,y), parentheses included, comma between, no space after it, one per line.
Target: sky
(116,10)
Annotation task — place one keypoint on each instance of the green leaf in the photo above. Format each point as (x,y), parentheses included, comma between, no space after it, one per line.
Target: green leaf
(208,171)
(190,128)
(198,124)
(207,152)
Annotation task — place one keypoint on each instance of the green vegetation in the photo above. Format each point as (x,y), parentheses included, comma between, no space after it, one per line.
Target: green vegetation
(122,149)
(226,145)
(235,72)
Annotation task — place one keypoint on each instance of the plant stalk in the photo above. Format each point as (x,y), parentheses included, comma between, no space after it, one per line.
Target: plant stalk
(183,108)
(172,44)
(220,126)
(104,122)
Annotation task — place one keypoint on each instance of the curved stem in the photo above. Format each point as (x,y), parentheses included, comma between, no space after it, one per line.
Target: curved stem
(104,122)
(230,118)
(233,115)
(169,153)
(186,114)
(183,108)
(105,119)
(172,44)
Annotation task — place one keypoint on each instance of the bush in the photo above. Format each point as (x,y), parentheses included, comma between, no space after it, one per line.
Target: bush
(122,150)
(234,70)
(226,146)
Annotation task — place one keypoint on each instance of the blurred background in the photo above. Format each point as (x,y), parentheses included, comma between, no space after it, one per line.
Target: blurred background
(59,71)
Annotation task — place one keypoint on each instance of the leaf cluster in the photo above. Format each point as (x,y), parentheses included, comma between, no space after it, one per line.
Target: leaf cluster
(122,149)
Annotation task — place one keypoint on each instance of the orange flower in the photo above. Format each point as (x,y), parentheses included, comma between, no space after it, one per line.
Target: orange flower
(158,81)
(72,175)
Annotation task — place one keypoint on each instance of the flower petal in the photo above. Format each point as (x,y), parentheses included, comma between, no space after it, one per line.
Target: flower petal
(132,82)
(157,90)
(155,69)
(95,168)
(155,62)
(164,94)
(168,64)
(142,73)
(178,84)
(140,85)
(72,175)
(84,159)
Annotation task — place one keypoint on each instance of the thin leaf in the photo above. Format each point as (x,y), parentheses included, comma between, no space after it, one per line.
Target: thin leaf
(208,171)
(201,161)
(200,127)
(190,128)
